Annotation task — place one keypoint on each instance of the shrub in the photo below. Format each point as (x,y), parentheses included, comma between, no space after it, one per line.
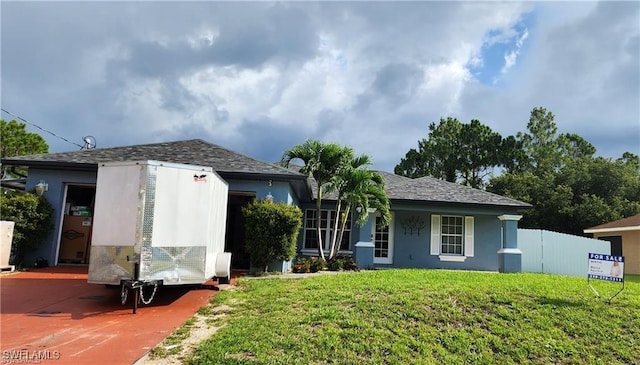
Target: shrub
(302,265)
(309,264)
(271,231)
(33,217)
(342,262)
(317,264)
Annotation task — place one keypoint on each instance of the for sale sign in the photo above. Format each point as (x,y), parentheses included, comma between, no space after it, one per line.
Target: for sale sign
(606,267)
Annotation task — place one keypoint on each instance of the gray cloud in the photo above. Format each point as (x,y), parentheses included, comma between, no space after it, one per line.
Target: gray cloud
(260,77)
(282,34)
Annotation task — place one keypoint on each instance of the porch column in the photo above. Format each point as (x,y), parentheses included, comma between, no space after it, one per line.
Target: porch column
(363,255)
(365,229)
(509,256)
(363,252)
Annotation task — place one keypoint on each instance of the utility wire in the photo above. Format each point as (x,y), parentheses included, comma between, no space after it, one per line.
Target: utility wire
(40,128)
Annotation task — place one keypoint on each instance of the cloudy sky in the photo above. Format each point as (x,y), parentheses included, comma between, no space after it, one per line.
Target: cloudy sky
(260,77)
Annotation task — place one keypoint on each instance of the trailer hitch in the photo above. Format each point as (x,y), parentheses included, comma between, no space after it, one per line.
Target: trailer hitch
(137,287)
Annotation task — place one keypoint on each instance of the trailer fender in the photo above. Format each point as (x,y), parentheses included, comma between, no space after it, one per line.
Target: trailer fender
(223,265)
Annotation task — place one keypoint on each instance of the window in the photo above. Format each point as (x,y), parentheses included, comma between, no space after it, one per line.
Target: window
(327,222)
(452,237)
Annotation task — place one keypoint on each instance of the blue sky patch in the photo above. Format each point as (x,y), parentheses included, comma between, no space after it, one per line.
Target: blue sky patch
(497,45)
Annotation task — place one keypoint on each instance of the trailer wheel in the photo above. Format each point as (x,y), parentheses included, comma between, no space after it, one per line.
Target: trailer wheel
(124,294)
(224,280)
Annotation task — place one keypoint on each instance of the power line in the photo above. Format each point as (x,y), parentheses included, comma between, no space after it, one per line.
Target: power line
(40,128)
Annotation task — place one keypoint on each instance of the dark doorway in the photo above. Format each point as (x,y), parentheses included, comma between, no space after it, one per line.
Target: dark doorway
(234,241)
(77,224)
(616,244)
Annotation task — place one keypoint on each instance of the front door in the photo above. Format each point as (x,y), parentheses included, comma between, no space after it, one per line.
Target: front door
(383,242)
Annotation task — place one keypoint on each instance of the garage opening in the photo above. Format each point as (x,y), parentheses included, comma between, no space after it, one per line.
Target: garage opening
(77,223)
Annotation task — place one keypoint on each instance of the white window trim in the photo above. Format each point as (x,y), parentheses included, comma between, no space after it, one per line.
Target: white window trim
(467,244)
(389,259)
(314,252)
(452,258)
(325,241)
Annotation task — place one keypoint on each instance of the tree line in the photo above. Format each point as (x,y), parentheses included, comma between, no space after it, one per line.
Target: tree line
(558,173)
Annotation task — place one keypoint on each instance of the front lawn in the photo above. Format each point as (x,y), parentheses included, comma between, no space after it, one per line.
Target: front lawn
(425,317)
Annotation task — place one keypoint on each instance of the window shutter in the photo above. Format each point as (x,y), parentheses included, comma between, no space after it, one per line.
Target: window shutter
(468,236)
(435,234)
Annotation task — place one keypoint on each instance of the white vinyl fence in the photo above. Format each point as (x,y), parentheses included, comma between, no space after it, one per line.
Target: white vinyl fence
(557,253)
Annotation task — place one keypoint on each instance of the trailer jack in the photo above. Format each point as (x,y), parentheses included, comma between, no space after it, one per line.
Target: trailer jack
(137,287)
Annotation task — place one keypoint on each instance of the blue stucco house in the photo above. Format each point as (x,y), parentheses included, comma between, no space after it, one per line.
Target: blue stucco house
(435,224)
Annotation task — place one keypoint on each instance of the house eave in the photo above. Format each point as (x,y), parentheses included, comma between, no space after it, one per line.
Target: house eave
(510,208)
(52,165)
(519,207)
(613,229)
(298,181)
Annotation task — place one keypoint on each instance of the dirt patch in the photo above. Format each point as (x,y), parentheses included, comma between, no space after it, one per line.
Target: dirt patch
(171,353)
(199,332)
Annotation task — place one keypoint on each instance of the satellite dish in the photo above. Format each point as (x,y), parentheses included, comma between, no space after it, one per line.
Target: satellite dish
(89,142)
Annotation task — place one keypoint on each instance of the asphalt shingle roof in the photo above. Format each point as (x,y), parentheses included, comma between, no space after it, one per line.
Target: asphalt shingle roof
(428,189)
(436,190)
(222,160)
(195,152)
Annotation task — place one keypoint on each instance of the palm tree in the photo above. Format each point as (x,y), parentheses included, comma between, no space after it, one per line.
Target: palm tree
(342,183)
(360,189)
(322,161)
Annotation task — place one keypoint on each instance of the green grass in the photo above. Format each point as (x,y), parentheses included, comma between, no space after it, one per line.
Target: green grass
(426,317)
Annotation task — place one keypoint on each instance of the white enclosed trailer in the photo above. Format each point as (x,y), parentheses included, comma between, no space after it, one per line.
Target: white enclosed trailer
(158,223)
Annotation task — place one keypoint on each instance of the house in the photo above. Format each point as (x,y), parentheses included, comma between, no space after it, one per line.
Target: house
(435,224)
(624,235)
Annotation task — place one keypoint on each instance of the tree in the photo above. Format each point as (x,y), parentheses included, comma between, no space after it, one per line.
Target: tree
(584,193)
(544,151)
(437,155)
(271,231)
(16,141)
(569,188)
(540,144)
(33,217)
(340,183)
(457,152)
(479,153)
(322,161)
(358,189)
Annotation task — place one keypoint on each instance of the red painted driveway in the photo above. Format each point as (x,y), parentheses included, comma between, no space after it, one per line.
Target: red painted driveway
(53,316)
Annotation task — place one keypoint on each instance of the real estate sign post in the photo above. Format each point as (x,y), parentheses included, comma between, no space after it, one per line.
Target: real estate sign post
(606,267)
